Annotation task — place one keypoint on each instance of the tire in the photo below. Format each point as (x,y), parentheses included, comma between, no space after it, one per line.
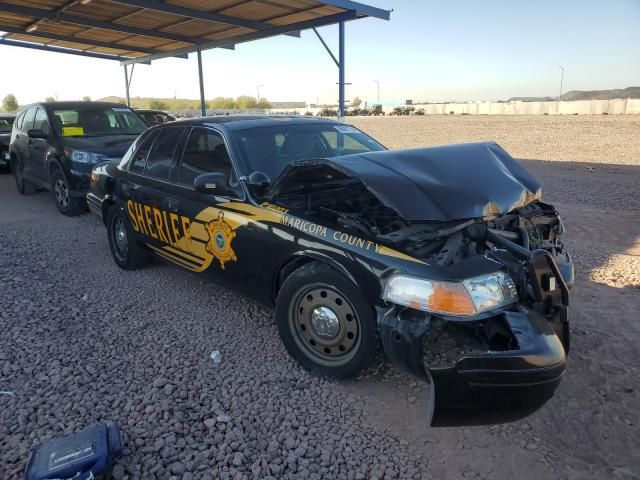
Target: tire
(325,322)
(67,205)
(24,186)
(127,252)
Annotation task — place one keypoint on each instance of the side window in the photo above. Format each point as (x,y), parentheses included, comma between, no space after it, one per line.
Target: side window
(18,123)
(161,155)
(27,123)
(205,152)
(41,122)
(140,157)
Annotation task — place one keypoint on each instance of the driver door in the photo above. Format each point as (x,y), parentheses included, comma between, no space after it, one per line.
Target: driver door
(213,220)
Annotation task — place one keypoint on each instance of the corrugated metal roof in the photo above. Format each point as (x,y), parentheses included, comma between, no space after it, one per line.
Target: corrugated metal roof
(151,29)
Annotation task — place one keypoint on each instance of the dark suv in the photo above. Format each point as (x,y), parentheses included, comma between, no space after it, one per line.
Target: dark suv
(54,145)
(6,122)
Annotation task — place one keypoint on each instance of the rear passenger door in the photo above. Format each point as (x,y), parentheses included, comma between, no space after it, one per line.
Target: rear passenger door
(21,142)
(149,187)
(38,146)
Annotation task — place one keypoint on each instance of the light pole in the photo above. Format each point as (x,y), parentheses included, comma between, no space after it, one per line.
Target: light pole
(561,79)
(258,89)
(378,84)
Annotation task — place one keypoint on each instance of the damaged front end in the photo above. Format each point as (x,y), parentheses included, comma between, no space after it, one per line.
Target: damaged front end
(501,364)
(482,310)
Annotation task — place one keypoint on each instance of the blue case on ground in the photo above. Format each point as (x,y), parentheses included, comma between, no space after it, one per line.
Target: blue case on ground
(80,455)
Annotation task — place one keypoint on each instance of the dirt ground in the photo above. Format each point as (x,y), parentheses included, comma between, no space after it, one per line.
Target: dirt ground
(139,367)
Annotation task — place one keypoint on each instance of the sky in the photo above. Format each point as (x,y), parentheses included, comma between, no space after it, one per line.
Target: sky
(441,50)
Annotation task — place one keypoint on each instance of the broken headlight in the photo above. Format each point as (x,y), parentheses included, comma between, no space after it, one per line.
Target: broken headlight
(469,297)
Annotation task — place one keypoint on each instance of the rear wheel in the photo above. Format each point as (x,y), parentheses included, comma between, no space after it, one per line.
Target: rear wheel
(127,252)
(24,186)
(67,205)
(325,322)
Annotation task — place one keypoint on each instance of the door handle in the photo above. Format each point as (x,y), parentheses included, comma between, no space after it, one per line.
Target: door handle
(172,204)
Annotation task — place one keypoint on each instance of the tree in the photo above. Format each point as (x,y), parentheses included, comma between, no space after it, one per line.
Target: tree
(86,98)
(10,103)
(246,102)
(50,99)
(356,102)
(158,105)
(217,102)
(264,104)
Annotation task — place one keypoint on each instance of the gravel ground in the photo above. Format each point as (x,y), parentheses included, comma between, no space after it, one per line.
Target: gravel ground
(609,139)
(83,341)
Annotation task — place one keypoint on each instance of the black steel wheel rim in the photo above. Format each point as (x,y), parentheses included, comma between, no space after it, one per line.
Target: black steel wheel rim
(119,238)
(324,325)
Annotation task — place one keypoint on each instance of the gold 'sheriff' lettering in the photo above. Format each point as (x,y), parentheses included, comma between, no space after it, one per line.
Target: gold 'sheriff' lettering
(171,229)
(147,217)
(132,216)
(139,216)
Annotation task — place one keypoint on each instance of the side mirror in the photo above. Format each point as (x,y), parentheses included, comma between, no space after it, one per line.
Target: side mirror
(259,182)
(37,133)
(212,184)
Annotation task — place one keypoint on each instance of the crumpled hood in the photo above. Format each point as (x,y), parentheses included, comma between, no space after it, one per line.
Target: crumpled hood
(114,146)
(440,183)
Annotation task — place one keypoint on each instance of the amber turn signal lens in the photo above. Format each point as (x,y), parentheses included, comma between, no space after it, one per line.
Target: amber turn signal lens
(451,298)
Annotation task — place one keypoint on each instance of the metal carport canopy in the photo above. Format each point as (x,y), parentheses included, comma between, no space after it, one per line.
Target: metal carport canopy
(139,31)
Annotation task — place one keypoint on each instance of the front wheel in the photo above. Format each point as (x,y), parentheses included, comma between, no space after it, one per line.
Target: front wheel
(325,322)
(127,252)
(67,205)
(24,186)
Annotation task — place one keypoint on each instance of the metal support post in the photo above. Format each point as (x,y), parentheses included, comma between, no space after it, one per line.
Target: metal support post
(341,107)
(126,85)
(203,103)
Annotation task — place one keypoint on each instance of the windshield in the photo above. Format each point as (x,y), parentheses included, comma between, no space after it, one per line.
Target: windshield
(5,125)
(271,149)
(97,120)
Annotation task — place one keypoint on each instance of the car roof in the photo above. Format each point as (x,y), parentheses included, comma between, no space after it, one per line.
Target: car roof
(7,115)
(74,104)
(240,122)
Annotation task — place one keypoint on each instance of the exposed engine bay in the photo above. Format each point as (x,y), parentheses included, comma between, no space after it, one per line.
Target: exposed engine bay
(349,206)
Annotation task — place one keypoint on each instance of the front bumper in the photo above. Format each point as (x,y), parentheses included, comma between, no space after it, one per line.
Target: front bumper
(476,385)
(494,369)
